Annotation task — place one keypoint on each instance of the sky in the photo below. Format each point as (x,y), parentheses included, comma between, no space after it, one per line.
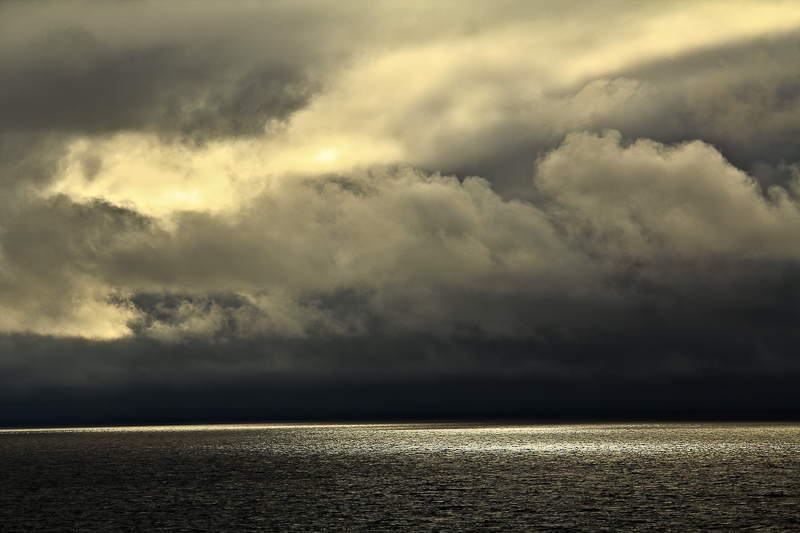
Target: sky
(227,211)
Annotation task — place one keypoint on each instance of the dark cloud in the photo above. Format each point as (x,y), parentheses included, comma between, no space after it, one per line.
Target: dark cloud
(258,101)
(742,98)
(663,373)
(71,81)
(50,245)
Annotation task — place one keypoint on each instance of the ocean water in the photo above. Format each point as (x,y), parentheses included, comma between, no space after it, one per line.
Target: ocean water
(403,477)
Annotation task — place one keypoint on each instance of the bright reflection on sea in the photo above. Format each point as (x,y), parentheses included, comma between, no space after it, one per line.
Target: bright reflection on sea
(551,439)
(455,438)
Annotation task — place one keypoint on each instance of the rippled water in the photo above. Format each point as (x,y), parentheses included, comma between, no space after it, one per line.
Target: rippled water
(402,477)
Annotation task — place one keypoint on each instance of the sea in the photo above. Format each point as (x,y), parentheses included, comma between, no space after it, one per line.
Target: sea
(440,477)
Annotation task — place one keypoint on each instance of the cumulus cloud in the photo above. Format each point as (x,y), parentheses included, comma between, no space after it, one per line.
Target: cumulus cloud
(648,199)
(381,230)
(423,252)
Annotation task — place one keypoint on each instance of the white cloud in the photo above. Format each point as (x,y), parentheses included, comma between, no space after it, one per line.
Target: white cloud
(647,199)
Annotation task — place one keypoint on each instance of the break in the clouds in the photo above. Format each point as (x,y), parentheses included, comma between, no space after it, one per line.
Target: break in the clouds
(558,190)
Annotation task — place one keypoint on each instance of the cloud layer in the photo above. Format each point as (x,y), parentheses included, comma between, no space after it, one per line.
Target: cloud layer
(411,190)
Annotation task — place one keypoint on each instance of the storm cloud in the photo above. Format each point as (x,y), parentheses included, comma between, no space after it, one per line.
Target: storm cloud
(411,205)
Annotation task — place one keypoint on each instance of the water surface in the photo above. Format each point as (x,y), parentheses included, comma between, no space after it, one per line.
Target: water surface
(407,477)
